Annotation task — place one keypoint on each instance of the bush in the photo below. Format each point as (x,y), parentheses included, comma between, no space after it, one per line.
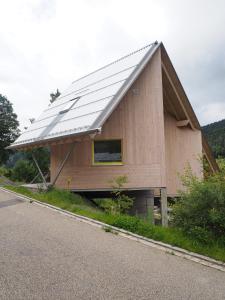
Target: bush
(119,203)
(107,204)
(123,202)
(23,171)
(4,171)
(200,212)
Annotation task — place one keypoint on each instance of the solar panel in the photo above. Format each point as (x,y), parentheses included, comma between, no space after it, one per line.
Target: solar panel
(86,100)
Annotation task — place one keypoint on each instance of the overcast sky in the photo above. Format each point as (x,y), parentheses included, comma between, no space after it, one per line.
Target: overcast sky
(46,44)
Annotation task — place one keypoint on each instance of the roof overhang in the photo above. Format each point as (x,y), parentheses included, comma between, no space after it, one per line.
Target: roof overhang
(56,140)
(185,106)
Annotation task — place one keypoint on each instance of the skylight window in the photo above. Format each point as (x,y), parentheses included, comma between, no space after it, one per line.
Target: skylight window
(69,105)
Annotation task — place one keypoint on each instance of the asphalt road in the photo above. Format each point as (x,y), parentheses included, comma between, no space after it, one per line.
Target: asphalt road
(47,255)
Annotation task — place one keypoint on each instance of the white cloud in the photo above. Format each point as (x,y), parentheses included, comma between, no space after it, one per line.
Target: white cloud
(45,45)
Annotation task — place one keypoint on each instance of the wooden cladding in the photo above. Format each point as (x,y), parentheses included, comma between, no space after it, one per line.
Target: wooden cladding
(138,122)
(159,132)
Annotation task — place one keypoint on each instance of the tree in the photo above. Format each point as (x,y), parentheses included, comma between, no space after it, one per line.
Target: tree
(43,157)
(8,127)
(23,171)
(54,96)
(215,135)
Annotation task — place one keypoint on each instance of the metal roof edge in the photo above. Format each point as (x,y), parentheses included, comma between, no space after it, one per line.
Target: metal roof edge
(49,140)
(115,61)
(125,87)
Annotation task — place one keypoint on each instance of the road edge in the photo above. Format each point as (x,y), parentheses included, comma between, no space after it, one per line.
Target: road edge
(173,250)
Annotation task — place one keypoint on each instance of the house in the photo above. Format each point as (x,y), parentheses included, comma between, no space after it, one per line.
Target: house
(131,117)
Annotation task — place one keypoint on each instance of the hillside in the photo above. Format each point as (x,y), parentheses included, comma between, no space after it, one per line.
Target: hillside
(215,134)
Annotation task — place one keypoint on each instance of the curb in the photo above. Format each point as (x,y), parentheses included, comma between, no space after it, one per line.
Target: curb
(173,250)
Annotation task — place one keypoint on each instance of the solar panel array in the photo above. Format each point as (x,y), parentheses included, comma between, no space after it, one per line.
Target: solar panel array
(87,98)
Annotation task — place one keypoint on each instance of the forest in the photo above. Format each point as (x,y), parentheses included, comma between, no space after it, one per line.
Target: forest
(215,135)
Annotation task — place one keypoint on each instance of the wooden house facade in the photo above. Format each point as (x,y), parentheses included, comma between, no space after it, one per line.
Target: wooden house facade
(146,129)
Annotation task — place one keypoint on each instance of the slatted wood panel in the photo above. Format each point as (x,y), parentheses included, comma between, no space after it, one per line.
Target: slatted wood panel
(183,147)
(138,121)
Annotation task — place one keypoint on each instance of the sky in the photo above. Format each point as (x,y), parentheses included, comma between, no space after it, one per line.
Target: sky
(47,44)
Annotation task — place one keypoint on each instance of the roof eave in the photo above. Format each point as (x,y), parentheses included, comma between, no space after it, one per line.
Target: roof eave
(48,142)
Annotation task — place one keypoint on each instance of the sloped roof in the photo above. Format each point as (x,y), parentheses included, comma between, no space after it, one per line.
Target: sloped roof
(87,102)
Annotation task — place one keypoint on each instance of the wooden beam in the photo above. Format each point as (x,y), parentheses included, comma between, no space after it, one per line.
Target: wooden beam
(177,95)
(169,104)
(182,123)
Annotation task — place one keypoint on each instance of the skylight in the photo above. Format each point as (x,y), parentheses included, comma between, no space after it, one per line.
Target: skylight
(69,105)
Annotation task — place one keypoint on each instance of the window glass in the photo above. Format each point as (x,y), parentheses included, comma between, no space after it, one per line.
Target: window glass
(107,151)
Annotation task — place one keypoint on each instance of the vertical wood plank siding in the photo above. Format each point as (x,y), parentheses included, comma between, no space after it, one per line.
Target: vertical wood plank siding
(138,121)
(183,147)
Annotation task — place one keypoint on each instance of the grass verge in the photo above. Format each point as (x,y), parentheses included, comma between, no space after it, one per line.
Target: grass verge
(76,204)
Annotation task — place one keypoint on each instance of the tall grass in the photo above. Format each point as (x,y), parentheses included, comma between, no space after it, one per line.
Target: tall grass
(76,204)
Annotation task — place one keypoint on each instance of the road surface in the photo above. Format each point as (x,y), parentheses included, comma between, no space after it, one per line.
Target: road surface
(47,255)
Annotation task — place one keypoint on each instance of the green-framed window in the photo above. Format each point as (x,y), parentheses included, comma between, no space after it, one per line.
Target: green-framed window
(107,152)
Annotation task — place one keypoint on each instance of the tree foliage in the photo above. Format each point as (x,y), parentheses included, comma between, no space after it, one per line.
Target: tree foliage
(23,167)
(23,171)
(8,127)
(215,134)
(54,96)
(43,157)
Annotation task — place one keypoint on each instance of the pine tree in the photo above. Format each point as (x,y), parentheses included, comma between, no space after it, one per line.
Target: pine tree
(8,127)
(54,96)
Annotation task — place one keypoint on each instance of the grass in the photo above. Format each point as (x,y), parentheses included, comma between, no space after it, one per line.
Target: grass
(76,204)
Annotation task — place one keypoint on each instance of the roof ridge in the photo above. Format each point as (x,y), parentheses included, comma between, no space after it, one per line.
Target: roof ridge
(114,62)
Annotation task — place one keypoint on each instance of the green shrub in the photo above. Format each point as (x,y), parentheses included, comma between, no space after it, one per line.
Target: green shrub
(126,222)
(200,212)
(4,171)
(120,202)
(107,204)
(23,171)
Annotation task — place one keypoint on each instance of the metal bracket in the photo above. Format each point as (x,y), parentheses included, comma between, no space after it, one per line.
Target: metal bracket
(39,170)
(92,135)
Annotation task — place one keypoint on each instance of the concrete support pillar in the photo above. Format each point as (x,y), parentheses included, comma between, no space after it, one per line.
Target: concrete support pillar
(144,204)
(149,199)
(164,209)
